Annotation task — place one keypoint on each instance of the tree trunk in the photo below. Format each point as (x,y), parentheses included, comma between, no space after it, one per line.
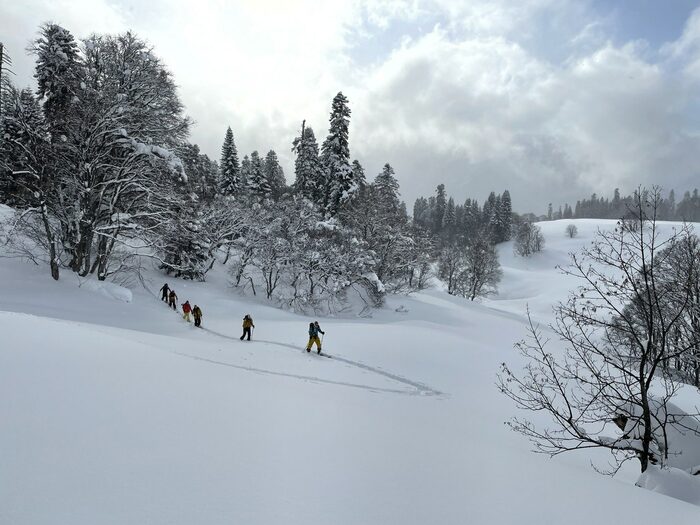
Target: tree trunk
(51,243)
(646,441)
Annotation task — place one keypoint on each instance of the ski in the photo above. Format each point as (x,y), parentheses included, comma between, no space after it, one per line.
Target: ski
(322,354)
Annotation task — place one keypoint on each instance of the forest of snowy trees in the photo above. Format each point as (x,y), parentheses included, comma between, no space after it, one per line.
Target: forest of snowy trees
(97,165)
(466,235)
(595,207)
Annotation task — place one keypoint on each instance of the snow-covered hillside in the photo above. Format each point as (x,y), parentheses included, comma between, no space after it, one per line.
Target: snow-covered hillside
(114,410)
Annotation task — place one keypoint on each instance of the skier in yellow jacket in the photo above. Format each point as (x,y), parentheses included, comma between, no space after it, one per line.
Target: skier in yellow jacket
(314,330)
(247,325)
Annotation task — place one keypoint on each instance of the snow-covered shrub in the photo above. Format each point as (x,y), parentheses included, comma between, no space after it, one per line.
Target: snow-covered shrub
(288,251)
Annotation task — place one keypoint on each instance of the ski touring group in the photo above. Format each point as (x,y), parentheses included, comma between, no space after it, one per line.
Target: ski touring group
(169,297)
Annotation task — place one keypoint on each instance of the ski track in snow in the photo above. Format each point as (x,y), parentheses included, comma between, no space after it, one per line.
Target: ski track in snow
(301,377)
(419,389)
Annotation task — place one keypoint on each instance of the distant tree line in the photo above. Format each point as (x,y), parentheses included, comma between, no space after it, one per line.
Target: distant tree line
(451,222)
(465,236)
(617,207)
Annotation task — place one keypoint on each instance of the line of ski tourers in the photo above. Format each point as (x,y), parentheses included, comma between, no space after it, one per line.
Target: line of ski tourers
(169,296)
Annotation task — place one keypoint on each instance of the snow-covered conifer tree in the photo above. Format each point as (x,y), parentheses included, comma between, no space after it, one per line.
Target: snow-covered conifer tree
(22,118)
(274,174)
(335,156)
(202,172)
(230,181)
(58,75)
(310,178)
(450,219)
(246,171)
(439,209)
(29,159)
(420,209)
(258,184)
(387,190)
(185,244)
(505,217)
(358,174)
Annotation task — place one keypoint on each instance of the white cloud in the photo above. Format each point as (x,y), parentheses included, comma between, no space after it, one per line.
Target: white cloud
(509,119)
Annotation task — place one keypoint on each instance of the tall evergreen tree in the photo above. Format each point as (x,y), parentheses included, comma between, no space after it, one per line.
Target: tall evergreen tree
(310,180)
(568,213)
(258,184)
(420,212)
(230,182)
(274,175)
(450,220)
(58,75)
(490,214)
(505,217)
(22,118)
(387,190)
(439,210)
(246,171)
(358,174)
(459,218)
(202,172)
(335,156)
(472,217)
(672,205)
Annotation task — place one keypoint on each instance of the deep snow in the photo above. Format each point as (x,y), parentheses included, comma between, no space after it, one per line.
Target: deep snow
(114,410)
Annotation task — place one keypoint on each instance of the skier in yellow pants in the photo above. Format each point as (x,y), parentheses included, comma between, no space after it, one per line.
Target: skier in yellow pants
(314,330)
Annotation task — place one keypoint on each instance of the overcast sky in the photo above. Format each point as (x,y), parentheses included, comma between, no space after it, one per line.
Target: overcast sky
(552,99)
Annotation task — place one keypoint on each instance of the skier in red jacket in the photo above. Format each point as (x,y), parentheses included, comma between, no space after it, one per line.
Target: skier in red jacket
(186,309)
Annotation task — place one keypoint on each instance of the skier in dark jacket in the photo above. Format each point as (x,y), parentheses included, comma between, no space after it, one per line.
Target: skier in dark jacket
(314,330)
(247,325)
(197,314)
(172,299)
(165,291)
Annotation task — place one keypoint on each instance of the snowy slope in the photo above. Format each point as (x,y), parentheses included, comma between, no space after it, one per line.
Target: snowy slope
(114,410)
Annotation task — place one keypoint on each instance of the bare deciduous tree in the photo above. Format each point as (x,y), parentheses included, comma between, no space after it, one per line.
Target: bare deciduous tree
(482,271)
(617,328)
(528,239)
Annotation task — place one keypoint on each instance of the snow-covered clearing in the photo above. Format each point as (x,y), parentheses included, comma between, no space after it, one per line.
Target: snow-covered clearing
(114,410)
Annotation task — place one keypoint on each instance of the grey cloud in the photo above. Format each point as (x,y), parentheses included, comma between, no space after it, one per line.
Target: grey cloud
(506,119)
